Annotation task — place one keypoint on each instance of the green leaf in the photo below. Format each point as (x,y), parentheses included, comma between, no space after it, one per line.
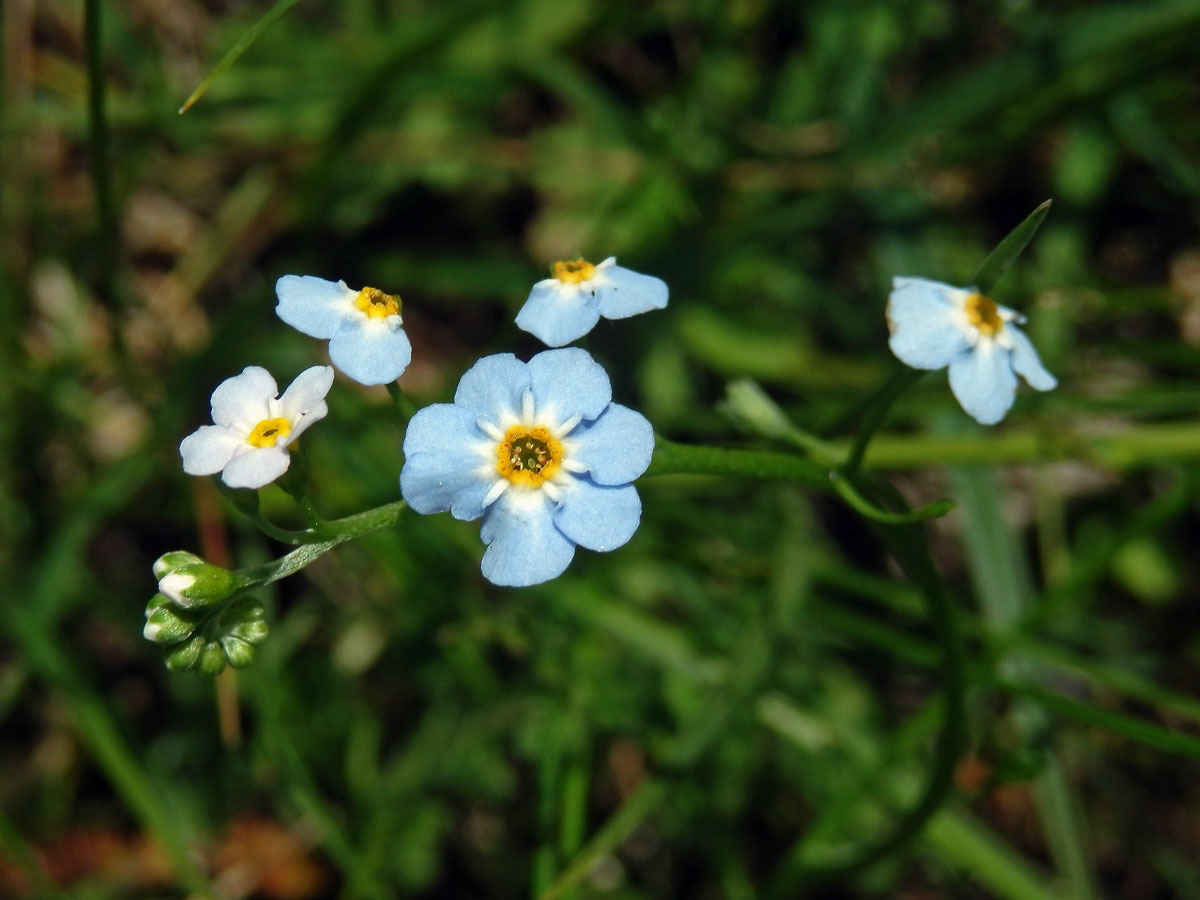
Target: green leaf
(273,15)
(1007,251)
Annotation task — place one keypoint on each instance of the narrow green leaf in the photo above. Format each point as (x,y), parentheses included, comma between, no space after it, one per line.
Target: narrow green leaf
(1009,249)
(273,15)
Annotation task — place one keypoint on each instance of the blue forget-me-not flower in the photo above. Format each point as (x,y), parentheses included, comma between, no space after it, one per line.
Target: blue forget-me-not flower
(540,452)
(364,328)
(248,444)
(934,325)
(568,305)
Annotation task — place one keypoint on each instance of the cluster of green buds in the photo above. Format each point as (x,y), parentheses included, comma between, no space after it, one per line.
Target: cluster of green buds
(198,616)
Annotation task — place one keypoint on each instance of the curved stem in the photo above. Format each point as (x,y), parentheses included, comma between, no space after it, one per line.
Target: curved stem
(908,547)
(876,409)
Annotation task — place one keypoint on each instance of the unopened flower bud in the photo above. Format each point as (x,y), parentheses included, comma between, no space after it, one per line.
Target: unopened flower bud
(198,584)
(212,659)
(239,653)
(187,654)
(750,407)
(173,560)
(165,625)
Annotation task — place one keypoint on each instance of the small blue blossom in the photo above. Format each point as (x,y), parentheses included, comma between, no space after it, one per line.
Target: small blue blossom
(541,452)
(254,426)
(568,305)
(364,328)
(934,325)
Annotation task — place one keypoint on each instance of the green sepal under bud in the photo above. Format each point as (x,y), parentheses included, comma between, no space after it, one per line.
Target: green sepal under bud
(239,653)
(172,560)
(167,625)
(212,659)
(198,584)
(186,655)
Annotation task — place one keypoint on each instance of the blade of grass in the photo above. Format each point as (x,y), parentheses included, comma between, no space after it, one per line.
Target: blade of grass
(1007,251)
(252,34)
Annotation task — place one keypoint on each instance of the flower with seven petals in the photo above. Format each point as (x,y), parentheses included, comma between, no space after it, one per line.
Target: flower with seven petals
(539,451)
(568,305)
(254,426)
(364,328)
(934,325)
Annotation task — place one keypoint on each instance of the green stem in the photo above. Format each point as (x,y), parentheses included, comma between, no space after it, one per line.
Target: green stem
(98,147)
(873,416)
(908,546)
(683,459)
(404,405)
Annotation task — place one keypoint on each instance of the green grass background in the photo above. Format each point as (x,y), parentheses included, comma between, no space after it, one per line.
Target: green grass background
(749,689)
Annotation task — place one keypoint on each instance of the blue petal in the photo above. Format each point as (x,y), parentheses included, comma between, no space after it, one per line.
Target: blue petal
(984,383)
(616,447)
(446,463)
(1025,361)
(371,351)
(922,316)
(557,317)
(493,387)
(524,547)
(598,517)
(312,305)
(627,293)
(568,383)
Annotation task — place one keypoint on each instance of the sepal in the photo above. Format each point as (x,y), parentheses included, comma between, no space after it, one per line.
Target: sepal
(172,560)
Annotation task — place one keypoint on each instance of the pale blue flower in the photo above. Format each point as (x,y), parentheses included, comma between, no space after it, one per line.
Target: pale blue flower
(364,328)
(540,452)
(568,305)
(248,444)
(934,325)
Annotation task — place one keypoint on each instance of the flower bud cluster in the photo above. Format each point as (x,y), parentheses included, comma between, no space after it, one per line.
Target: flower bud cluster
(197,618)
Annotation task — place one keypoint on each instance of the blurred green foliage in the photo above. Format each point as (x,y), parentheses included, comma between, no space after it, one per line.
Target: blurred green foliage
(748,688)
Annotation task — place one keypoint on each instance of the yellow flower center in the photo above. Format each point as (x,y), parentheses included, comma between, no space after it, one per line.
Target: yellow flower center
(573,271)
(376,304)
(528,456)
(268,432)
(984,314)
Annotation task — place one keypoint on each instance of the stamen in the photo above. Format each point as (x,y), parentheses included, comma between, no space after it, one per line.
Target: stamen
(573,271)
(983,313)
(376,304)
(529,456)
(269,432)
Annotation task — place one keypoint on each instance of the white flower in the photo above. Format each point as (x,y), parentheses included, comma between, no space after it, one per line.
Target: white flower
(935,325)
(254,426)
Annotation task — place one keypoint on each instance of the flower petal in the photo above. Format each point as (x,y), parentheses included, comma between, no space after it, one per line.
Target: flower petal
(312,305)
(492,388)
(556,316)
(524,547)
(616,447)
(257,467)
(445,463)
(208,450)
(923,318)
(304,400)
(597,516)
(624,292)
(372,351)
(568,383)
(243,401)
(984,383)
(1025,361)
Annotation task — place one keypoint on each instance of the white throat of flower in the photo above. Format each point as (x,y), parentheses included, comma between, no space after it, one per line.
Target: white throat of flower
(529,453)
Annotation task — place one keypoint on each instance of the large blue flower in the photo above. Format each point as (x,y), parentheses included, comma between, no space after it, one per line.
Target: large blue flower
(540,452)
(364,328)
(934,325)
(568,305)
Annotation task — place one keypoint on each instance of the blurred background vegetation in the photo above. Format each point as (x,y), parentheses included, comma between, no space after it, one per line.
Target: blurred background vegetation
(749,689)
